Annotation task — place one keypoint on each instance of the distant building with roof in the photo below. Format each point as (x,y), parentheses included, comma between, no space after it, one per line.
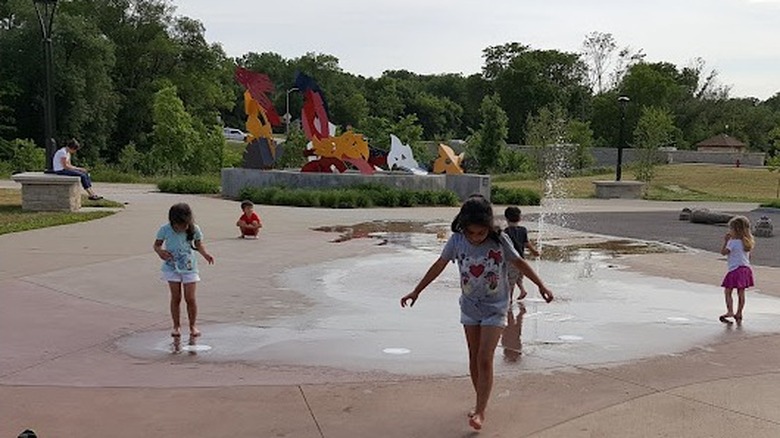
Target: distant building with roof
(721,143)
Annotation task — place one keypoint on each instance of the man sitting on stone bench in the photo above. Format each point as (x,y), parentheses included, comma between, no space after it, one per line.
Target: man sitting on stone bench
(62,166)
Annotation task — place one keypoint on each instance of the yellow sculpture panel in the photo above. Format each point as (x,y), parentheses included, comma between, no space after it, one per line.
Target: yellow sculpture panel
(348,144)
(448,162)
(257,122)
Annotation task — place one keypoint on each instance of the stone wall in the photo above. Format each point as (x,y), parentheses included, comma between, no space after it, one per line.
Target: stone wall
(606,157)
(235,179)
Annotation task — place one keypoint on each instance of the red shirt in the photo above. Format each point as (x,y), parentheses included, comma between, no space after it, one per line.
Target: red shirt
(250,219)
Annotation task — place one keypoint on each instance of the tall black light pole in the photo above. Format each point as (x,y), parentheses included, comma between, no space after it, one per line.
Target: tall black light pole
(45,10)
(623,102)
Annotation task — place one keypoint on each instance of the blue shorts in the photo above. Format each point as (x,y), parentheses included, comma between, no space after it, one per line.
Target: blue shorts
(493,320)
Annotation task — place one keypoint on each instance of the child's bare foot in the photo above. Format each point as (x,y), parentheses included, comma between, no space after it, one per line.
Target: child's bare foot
(475,421)
(176,332)
(738,318)
(523,294)
(194,332)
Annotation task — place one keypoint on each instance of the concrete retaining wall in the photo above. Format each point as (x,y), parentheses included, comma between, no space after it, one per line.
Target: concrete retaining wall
(235,179)
(745,159)
(606,157)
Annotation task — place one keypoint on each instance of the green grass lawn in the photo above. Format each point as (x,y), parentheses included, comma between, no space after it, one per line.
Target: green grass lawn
(13,219)
(682,182)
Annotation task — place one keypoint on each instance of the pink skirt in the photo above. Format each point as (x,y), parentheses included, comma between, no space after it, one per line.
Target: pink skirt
(740,278)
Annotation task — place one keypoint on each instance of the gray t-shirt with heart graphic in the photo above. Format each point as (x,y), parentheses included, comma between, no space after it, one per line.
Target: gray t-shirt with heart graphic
(483,273)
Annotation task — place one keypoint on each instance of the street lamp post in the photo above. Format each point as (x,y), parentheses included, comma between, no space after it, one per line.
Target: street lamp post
(45,10)
(287,112)
(623,102)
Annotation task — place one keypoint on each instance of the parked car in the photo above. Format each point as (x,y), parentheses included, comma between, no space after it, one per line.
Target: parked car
(234,134)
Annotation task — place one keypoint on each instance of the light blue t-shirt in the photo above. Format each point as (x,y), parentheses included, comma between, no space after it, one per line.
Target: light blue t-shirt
(483,276)
(184,259)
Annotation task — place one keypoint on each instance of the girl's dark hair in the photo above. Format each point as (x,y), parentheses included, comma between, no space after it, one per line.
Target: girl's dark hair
(476,211)
(73,144)
(182,214)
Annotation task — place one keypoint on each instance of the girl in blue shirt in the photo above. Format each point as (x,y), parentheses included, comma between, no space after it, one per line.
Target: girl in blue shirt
(180,265)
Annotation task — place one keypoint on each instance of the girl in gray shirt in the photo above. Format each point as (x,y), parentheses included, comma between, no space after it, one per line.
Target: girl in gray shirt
(482,253)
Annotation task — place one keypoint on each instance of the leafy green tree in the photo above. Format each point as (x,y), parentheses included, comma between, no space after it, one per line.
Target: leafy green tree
(477,88)
(145,53)
(487,146)
(532,79)
(173,133)
(130,159)
(27,156)
(348,105)
(85,63)
(208,149)
(7,118)
(439,116)
(384,98)
(774,138)
(408,130)
(378,129)
(579,134)
(497,58)
(294,147)
(773,165)
(546,132)
(598,48)
(654,129)
(203,74)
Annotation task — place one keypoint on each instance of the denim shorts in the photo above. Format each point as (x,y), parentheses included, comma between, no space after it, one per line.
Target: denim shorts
(493,320)
(180,277)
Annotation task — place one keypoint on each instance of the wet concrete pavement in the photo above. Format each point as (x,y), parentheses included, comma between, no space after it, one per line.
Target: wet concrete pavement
(83,327)
(665,226)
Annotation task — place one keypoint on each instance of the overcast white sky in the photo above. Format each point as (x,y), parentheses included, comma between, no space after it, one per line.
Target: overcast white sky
(739,38)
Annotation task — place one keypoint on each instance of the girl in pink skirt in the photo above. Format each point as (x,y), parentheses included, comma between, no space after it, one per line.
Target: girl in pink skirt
(737,245)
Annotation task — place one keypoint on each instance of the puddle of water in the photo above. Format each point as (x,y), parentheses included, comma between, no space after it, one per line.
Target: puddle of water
(430,235)
(386,231)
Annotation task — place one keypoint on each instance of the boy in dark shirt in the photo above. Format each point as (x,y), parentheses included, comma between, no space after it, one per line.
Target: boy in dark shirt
(519,237)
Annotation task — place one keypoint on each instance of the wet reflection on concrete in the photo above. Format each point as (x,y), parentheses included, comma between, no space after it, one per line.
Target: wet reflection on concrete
(601,315)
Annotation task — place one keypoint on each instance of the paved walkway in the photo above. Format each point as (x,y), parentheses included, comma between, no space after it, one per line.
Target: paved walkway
(69,295)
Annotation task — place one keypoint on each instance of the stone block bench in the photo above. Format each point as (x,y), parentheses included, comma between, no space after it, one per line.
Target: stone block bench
(49,192)
(619,189)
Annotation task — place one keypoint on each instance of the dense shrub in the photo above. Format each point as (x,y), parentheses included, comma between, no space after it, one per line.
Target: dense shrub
(507,196)
(772,204)
(27,156)
(231,157)
(190,184)
(112,174)
(364,196)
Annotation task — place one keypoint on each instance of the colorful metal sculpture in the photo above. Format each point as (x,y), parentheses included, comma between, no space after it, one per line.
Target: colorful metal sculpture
(331,151)
(448,162)
(261,150)
(401,157)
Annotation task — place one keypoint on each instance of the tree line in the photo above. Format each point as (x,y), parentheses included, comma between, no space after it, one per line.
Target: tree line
(131,73)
